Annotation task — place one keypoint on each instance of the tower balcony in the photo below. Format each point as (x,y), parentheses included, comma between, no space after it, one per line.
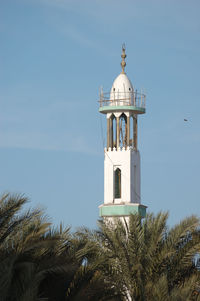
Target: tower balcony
(122,101)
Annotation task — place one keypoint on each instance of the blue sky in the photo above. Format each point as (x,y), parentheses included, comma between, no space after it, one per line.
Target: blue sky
(54,56)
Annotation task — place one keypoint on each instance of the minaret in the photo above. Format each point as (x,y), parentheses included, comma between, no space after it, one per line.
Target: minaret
(122,105)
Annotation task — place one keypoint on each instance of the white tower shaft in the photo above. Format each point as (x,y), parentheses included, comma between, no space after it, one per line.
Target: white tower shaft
(122,176)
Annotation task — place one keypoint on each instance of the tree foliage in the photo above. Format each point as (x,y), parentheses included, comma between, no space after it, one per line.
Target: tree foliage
(40,262)
(142,260)
(148,261)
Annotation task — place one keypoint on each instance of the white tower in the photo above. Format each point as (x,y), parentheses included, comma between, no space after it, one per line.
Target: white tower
(122,105)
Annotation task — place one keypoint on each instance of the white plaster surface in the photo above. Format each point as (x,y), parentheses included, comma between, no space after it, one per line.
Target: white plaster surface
(129,163)
(121,89)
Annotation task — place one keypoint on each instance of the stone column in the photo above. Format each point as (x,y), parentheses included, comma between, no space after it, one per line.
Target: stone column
(135,131)
(108,133)
(117,128)
(111,132)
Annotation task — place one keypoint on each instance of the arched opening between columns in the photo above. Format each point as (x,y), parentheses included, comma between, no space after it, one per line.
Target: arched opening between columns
(122,131)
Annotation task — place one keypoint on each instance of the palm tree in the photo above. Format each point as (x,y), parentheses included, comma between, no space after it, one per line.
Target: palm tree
(39,262)
(76,274)
(22,239)
(141,261)
(88,282)
(147,261)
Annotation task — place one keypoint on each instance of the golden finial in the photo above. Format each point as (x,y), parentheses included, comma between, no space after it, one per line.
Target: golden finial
(123,56)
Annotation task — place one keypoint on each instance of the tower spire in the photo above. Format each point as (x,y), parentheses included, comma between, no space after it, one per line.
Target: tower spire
(123,56)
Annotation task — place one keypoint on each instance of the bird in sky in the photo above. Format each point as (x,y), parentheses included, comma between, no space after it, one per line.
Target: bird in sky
(185,119)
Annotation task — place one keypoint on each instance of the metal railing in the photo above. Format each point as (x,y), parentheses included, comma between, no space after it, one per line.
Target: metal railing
(132,98)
